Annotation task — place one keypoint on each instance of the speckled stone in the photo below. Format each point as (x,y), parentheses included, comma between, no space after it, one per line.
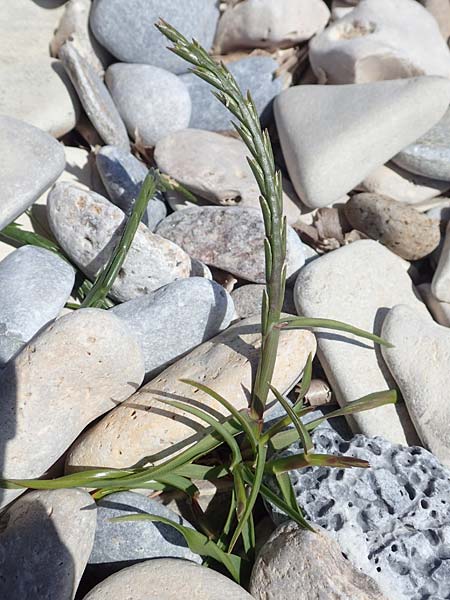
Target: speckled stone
(26,307)
(228,238)
(127,29)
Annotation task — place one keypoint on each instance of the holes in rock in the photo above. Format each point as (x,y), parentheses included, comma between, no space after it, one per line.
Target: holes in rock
(355,29)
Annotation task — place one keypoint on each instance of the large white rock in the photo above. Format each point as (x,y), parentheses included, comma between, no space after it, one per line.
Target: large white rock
(144,426)
(380,39)
(334,136)
(357,284)
(419,363)
(440,286)
(269,23)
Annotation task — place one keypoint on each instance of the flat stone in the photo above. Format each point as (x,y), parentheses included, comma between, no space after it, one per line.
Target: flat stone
(440,285)
(248,300)
(22,145)
(175,577)
(403,186)
(334,136)
(144,426)
(214,167)
(44,555)
(430,154)
(119,545)
(439,310)
(74,25)
(123,176)
(80,367)
(128,31)
(392,521)
(315,565)
(380,39)
(88,227)
(440,9)
(401,228)
(265,24)
(175,319)
(421,348)
(26,275)
(256,74)
(94,97)
(229,238)
(152,102)
(357,284)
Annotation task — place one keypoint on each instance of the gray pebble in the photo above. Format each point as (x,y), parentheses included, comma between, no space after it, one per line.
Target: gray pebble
(176,318)
(127,29)
(255,73)
(123,175)
(430,154)
(45,541)
(94,97)
(151,101)
(31,162)
(229,238)
(119,545)
(248,300)
(26,276)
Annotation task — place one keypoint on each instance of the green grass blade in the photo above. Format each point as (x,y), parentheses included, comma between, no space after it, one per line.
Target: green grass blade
(306,381)
(287,492)
(302,461)
(301,429)
(14,232)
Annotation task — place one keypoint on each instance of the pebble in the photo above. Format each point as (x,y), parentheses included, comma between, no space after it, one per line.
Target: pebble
(248,300)
(357,284)
(74,25)
(228,238)
(441,212)
(297,564)
(392,521)
(393,181)
(175,319)
(152,102)
(377,40)
(123,176)
(440,284)
(144,427)
(334,136)
(421,348)
(80,367)
(401,228)
(26,275)
(94,97)
(127,30)
(254,73)
(117,545)
(439,310)
(268,24)
(429,155)
(88,227)
(215,167)
(43,554)
(22,144)
(173,577)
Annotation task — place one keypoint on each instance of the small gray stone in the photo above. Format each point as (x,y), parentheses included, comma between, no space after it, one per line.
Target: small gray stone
(88,227)
(175,578)
(297,564)
(119,545)
(401,228)
(430,154)
(440,285)
(392,521)
(439,310)
(31,162)
(45,541)
(26,276)
(248,300)
(151,101)
(127,29)
(94,97)
(255,73)
(231,239)
(441,213)
(123,175)
(176,318)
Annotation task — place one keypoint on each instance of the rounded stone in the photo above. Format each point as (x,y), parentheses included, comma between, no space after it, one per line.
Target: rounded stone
(248,300)
(127,29)
(401,228)
(80,367)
